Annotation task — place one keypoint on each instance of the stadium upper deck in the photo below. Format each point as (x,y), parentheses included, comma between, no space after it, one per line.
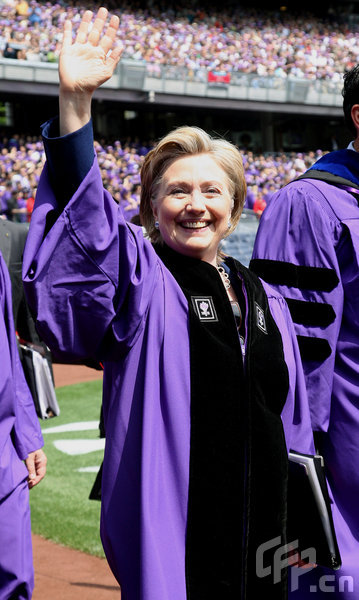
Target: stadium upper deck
(246,61)
(236,39)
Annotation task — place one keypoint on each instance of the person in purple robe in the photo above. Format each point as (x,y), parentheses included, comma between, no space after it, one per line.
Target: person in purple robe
(203,390)
(307,246)
(22,460)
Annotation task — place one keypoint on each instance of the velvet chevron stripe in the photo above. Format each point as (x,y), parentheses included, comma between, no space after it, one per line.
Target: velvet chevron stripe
(317,279)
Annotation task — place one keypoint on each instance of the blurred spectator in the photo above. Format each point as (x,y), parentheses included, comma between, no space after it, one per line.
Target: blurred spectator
(6,199)
(35,15)
(19,211)
(259,205)
(10,51)
(22,8)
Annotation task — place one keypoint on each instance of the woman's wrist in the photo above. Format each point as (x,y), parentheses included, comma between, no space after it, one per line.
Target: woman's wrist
(75,111)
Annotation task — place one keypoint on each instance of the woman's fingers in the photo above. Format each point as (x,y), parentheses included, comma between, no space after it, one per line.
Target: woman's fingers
(109,37)
(83,29)
(115,55)
(94,34)
(67,36)
(98,26)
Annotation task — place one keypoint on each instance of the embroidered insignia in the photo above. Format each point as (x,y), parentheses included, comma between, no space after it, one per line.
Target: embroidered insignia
(261,322)
(204,308)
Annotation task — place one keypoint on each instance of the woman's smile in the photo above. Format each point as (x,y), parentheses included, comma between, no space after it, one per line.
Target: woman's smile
(194,225)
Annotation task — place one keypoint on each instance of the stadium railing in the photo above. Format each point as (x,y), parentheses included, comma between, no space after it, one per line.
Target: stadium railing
(170,79)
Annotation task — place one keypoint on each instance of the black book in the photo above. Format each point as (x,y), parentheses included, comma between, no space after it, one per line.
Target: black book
(310,520)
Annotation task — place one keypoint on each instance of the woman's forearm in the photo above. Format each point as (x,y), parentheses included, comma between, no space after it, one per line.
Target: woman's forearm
(75,111)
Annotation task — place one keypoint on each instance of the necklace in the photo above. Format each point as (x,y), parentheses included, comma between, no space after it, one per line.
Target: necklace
(225,277)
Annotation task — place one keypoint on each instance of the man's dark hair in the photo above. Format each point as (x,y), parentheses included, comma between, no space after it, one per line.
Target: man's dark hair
(350,95)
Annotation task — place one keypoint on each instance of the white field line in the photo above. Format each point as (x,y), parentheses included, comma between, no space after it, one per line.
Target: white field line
(79,426)
(75,447)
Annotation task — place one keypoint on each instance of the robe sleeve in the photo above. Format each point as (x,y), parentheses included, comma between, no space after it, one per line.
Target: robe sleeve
(27,436)
(90,277)
(296,252)
(17,406)
(295,414)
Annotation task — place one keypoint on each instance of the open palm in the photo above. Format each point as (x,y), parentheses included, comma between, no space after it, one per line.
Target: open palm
(85,64)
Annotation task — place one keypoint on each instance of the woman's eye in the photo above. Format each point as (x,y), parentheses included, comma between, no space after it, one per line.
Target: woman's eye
(178,192)
(213,191)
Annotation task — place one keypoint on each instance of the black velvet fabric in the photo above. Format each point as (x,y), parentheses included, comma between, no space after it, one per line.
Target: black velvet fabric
(313,349)
(336,180)
(328,177)
(316,314)
(283,273)
(267,381)
(238,461)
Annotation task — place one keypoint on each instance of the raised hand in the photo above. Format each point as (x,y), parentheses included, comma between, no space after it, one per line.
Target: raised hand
(84,65)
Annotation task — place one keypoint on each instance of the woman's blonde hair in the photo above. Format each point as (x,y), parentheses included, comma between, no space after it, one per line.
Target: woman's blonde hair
(181,142)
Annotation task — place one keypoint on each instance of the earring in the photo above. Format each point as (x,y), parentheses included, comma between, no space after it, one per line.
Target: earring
(157,225)
(229,223)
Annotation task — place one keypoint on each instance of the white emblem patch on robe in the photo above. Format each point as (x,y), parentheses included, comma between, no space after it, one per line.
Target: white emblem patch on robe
(204,308)
(261,322)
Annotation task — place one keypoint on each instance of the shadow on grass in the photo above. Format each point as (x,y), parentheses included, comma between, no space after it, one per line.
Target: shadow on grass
(113,588)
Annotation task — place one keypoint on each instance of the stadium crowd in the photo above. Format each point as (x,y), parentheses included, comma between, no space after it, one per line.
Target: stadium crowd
(22,159)
(240,40)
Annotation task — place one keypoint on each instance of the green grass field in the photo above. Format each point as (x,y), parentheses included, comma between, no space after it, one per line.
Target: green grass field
(60,508)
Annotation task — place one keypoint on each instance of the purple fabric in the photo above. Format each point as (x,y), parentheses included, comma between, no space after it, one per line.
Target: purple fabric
(16,565)
(295,414)
(113,281)
(20,431)
(20,434)
(317,225)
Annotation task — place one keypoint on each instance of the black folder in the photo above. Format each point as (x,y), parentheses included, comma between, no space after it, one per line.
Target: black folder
(310,520)
(39,379)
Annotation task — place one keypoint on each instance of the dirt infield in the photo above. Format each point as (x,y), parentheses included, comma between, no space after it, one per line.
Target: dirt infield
(62,573)
(68,374)
(65,574)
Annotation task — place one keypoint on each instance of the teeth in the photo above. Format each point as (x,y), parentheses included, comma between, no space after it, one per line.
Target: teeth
(194,224)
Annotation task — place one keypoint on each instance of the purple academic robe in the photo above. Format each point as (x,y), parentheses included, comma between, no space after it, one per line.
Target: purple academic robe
(312,229)
(90,260)
(20,434)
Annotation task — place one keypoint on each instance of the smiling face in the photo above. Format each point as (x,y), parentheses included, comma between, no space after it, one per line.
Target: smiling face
(193,206)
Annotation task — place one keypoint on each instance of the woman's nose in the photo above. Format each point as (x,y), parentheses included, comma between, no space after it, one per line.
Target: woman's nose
(196,201)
